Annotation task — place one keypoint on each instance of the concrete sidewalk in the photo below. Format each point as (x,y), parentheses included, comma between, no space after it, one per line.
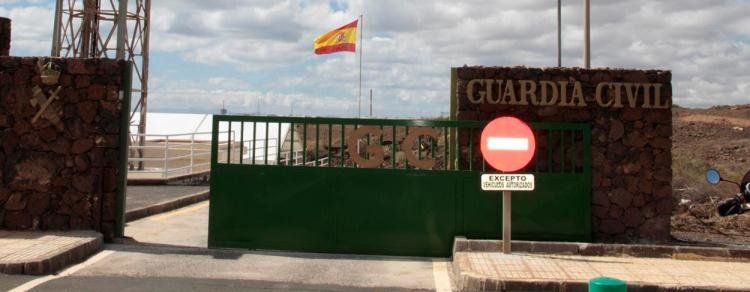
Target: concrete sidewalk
(490,270)
(39,252)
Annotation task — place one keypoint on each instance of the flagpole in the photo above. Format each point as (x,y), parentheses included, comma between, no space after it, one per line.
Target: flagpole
(361,46)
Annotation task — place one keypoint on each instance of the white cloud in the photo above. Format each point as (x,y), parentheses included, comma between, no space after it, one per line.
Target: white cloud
(28,36)
(410,46)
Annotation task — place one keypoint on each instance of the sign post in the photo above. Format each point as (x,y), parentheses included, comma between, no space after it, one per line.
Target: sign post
(507,144)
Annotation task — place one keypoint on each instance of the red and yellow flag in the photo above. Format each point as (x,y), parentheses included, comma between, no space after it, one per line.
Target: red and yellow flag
(342,39)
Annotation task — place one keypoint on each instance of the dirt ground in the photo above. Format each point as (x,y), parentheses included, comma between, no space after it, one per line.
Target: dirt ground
(718,137)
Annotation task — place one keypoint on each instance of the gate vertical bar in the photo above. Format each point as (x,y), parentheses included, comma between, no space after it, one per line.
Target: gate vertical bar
(393,147)
(549,151)
(229,143)
(278,144)
(342,144)
(445,149)
(356,148)
(254,142)
(265,147)
(242,139)
(432,147)
(419,147)
(330,142)
(304,144)
(573,154)
(407,148)
(471,149)
(290,158)
(562,150)
(381,129)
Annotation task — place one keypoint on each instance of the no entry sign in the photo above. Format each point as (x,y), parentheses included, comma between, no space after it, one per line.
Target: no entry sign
(507,144)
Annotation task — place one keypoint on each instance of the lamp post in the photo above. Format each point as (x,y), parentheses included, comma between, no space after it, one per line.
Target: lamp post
(586,34)
(559,33)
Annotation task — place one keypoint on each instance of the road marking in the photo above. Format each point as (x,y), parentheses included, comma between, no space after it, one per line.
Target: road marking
(177,212)
(507,144)
(67,272)
(440,275)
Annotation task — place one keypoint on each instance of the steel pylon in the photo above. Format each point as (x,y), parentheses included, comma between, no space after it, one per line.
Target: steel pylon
(108,29)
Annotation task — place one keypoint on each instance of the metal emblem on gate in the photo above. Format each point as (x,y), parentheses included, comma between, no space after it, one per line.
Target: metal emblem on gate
(376,153)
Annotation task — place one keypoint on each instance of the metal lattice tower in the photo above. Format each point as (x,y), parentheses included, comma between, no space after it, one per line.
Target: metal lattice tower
(107,29)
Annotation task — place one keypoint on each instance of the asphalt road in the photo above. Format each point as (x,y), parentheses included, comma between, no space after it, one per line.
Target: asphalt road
(169,254)
(188,284)
(143,196)
(8,282)
(187,226)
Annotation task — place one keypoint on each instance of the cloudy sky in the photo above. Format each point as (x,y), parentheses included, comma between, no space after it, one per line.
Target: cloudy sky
(256,55)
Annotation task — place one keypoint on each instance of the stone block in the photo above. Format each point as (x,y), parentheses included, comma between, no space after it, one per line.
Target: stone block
(17,220)
(87,110)
(96,92)
(82,145)
(39,202)
(16,202)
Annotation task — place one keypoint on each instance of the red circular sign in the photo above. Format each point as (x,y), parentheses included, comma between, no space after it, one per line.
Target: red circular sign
(508,144)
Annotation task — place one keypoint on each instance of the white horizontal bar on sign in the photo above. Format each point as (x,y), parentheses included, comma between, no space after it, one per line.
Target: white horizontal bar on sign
(508,144)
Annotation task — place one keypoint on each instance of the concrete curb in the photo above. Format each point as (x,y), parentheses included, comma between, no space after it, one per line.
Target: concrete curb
(193,179)
(56,262)
(166,206)
(471,282)
(606,249)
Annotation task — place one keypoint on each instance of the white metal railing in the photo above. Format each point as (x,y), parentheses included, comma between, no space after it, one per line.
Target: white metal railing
(179,154)
(172,154)
(259,151)
(297,160)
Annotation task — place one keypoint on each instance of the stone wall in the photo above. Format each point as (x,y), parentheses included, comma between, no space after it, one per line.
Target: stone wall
(630,147)
(4,36)
(59,171)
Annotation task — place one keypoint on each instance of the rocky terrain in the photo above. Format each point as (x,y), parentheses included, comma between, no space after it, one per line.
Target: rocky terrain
(717,137)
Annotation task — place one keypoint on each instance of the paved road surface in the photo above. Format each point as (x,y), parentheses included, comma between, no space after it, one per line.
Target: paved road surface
(171,256)
(143,196)
(187,226)
(8,282)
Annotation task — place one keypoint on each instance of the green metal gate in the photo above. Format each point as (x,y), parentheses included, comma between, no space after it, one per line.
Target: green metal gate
(271,190)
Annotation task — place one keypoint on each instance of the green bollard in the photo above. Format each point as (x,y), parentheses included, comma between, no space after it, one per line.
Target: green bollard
(605,284)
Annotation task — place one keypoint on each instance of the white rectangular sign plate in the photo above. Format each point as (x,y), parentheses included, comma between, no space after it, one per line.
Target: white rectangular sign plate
(507,182)
(507,144)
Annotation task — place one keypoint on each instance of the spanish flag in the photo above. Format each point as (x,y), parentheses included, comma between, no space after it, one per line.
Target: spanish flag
(342,39)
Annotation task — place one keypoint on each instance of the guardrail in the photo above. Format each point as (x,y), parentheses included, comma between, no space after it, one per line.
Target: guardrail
(171,154)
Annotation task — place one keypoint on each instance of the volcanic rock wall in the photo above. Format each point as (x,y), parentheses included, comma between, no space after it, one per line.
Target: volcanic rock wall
(630,147)
(4,36)
(59,171)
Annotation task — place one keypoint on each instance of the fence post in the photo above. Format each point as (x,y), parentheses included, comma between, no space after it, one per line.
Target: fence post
(192,142)
(166,152)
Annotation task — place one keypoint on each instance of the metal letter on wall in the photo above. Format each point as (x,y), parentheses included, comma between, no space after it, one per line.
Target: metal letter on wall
(412,139)
(375,152)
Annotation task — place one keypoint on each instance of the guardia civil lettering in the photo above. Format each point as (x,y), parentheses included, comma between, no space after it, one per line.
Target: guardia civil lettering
(565,93)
